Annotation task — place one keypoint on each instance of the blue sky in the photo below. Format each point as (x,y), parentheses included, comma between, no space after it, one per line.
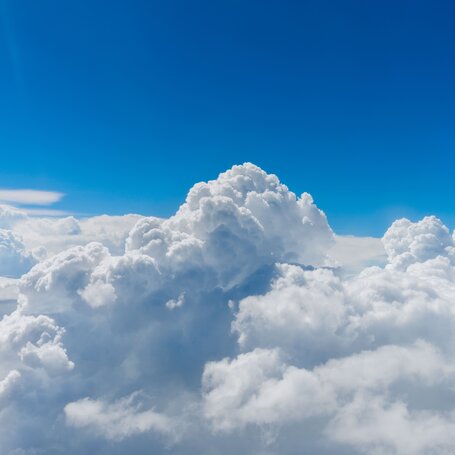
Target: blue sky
(123,105)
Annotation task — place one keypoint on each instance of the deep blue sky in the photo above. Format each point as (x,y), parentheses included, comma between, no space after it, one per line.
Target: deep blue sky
(124,105)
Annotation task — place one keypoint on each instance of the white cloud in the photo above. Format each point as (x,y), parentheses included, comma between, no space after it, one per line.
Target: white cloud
(45,212)
(245,322)
(9,216)
(375,425)
(176,303)
(29,197)
(9,289)
(54,284)
(355,253)
(116,421)
(371,399)
(260,388)
(15,260)
(303,311)
(55,235)
(7,384)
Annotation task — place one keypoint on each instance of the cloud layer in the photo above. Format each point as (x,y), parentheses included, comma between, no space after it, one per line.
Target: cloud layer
(242,323)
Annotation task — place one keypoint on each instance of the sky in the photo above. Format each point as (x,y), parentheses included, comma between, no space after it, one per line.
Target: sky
(229,327)
(124,105)
(240,318)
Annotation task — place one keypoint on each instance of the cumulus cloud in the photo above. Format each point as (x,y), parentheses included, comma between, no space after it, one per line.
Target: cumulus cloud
(229,227)
(406,242)
(240,324)
(116,421)
(9,290)
(370,355)
(8,383)
(15,260)
(9,216)
(268,390)
(51,235)
(303,312)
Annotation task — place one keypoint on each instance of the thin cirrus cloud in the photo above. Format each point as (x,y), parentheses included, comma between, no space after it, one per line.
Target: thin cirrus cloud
(30,197)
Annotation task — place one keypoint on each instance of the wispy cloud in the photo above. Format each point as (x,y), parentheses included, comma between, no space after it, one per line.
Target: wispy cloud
(30,197)
(47,212)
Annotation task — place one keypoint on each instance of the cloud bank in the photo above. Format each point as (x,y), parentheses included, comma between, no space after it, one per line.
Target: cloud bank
(241,323)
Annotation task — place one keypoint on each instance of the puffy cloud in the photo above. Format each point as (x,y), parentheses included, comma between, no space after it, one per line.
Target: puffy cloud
(369,357)
(356,399)
(35,341)
(406,242)
(59,280)
(176,303)
(225,231)
(375,425)
(116,421)
(244,322)
(302,312)
(9,290)
(232,226)
(8,383)
(15,260)
(33,368)
(259,387)
(54,235)
(10,215)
